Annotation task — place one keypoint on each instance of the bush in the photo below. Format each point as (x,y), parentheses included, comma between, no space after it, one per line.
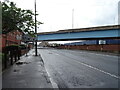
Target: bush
(22,46)
(11,47)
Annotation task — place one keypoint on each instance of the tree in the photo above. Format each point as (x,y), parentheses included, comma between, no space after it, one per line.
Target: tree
(14,18)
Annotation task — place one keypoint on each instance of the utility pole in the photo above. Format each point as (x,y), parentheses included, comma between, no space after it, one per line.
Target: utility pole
(35,31)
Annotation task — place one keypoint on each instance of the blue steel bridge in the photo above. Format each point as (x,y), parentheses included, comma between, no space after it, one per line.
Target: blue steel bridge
(91,33)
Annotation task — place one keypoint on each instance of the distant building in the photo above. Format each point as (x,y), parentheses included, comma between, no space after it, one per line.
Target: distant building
(27,38)
(95,42)
(44,44)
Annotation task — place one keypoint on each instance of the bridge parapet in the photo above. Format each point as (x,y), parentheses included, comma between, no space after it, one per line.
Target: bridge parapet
(84,29)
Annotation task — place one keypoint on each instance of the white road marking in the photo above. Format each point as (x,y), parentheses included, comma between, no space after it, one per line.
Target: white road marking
(54,85)
(112,75)
(103,55)
(57,54)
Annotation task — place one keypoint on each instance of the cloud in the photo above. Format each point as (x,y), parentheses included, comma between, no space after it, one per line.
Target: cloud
(57,14)
(99,13)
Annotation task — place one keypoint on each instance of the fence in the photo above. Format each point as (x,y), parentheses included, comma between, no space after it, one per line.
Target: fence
(11,55)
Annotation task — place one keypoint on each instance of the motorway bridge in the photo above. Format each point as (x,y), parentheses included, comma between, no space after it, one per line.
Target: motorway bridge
(101,32)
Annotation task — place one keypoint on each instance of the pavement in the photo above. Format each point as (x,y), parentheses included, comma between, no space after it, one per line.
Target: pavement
(28,72)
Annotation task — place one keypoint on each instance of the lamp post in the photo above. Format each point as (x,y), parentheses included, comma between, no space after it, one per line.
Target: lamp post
(35,32)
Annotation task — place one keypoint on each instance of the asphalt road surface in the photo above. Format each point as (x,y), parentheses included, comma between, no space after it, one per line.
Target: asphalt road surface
(81,69)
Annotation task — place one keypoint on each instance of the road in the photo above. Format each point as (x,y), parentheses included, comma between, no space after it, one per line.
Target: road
(81,69)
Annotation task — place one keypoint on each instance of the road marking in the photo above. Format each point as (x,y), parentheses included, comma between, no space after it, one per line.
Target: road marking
(84,52)
(112,75)
(54,85)
(104,55)
(57,54)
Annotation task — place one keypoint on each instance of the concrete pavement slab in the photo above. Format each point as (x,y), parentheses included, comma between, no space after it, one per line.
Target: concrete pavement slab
(28,72)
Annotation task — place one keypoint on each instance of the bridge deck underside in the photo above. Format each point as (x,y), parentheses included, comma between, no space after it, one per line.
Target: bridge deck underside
(86,35)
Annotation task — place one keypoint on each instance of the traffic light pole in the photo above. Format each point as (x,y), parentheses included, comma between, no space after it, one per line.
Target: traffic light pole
(35,31)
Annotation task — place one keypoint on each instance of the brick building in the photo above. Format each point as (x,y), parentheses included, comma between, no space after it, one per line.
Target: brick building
(10,38)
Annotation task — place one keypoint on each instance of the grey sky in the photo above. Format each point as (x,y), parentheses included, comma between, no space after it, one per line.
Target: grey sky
(57,14)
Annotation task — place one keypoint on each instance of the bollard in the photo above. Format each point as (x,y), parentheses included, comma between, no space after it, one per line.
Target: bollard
(11,57)
(19,53)
(15,55)
(5,58)
(5,61)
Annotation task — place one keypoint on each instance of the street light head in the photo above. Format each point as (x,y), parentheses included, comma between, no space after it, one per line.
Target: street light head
(41,23)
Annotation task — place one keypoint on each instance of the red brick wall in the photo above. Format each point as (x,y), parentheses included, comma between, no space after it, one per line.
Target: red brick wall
(111,47)
(11,39)
(93,47)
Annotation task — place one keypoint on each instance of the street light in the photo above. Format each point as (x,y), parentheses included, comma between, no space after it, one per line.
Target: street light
(35,31)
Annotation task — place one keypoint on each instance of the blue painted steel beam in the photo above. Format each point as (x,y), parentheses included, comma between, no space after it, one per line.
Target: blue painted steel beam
(84,35)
